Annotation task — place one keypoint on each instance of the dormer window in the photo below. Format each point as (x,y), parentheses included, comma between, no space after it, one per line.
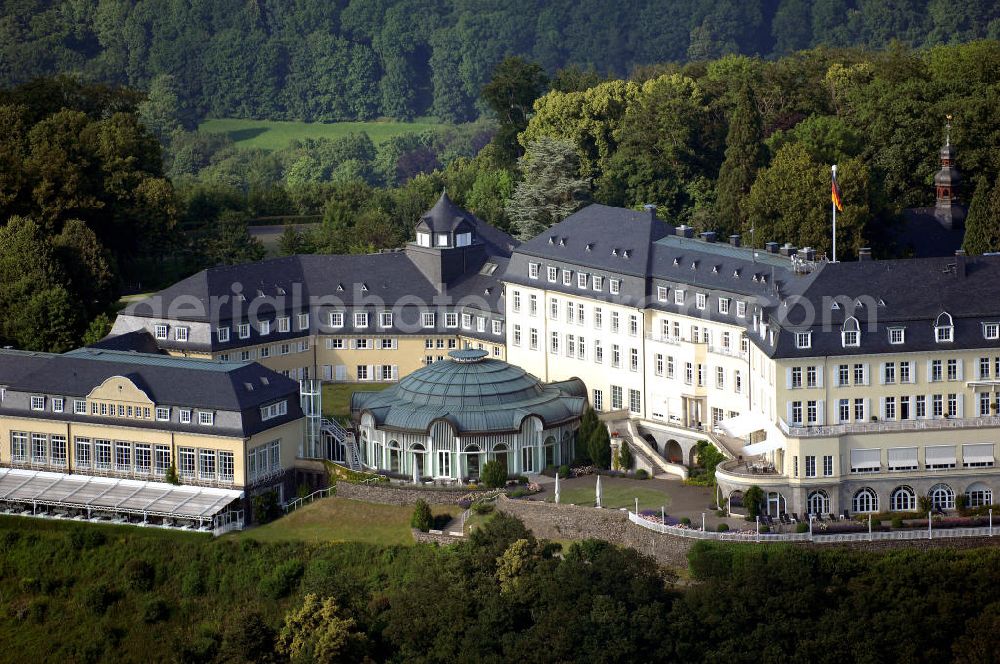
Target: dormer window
(360,320)
(423,239)
(222,334)
(553,274)
(661,293)
(897,335)
(160,331)
(803,339)
(944,328)
(336,319)
(181,333)
(598,283)
(441,240)
(37,403)
(264,328)
(678,296)
(850,334)
(616,286)
(991,331)
(699,300)
(581,279)
(463,239)
(567,277)
(532,270)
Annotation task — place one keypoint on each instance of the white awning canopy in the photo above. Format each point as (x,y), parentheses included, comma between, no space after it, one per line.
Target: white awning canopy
(771,444)
(745,424)
(977,453)
(108,494)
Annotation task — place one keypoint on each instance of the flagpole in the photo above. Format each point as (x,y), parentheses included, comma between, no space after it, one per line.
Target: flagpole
(833,204)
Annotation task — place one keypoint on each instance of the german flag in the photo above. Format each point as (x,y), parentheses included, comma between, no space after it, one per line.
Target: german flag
(835,194)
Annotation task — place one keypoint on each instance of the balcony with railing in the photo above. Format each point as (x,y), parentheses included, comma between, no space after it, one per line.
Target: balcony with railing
(887,426)
(728,351)
(663,338)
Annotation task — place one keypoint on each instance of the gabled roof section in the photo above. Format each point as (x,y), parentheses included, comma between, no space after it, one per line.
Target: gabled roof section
(602,237)
(446,217)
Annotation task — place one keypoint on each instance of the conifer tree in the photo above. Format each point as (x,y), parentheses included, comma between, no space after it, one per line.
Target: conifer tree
(982,225)
(552,188)
(744,155)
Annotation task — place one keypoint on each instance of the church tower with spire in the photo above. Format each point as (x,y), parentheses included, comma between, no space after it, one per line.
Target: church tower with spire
(947,209)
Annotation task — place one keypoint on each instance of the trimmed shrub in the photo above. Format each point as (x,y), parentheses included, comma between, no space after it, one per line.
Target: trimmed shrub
(897,522)
(482,508)
(802,527)
(421,519)
(924,504)
(625,458)
(98,598)
(641,474)
(722,528)
(563,471)
(494,475)
(193,583)
(685,521)
(518,493)
(155,610)
(753,500)
(765,528)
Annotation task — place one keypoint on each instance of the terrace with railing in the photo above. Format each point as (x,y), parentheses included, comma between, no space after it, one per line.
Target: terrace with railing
(880,426)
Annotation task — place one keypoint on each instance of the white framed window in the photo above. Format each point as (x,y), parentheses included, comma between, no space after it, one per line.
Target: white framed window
(243,331)
(423,239)
(466,321)
(206,419)
(678,296)
(162,414)
(303,321)
(616,286)
(598,318)
(533,270)
(944,328)
(699,300)
(160,331)
(80,407)
(284,324)
(222,334)
(427,319)
(37,403)
(581,279)
(598,400)
(897,335)
(661,293)
(480,324)
(451,319)
(271,411)
(515,301)
(58,404)
(441,239)
(516,335)
(803,339)
(598,283)
(185,416)
(497,327)
(723,305)
(532,305)
(336,319)
(264,328)
(360,319)
(741,309)
(552,273)
(991,330)
(567,277)
(533,338)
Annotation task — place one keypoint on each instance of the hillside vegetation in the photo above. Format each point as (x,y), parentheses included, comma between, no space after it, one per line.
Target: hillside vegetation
(316,60)
(275,135)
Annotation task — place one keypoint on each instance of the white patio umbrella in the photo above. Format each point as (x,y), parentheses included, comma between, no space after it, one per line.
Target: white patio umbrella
(557,487)
(416,474)
(599,491)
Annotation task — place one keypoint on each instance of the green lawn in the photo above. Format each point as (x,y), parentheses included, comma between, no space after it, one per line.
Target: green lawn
(274,135)
(339,519)
(337,397)
(614,496)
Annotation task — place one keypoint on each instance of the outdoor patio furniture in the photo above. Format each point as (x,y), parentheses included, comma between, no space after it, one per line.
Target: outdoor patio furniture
(832,516)
(847,515)
(795,517)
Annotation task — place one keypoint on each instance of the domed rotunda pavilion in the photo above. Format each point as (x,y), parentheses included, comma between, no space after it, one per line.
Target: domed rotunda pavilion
(449,418)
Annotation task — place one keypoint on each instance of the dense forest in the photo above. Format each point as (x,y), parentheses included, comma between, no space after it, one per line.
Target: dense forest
(326,60)
(125,594)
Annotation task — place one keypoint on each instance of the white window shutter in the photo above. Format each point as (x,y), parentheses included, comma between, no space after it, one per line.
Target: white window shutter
(819,376)
(395,372)
(788,377)
(961,367)
(378,372)
(821,412)
(961,401)
(881,373)
(788,413)
(929,374)
(868,409)
(881,408)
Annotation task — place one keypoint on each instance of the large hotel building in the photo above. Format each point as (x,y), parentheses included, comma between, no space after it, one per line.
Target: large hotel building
(852,386)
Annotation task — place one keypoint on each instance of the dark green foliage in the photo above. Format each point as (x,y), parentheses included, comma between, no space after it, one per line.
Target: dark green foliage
(625,459)
(139,575)
(982,225)
(155,610)
(599,446)
(744,155)
(563,471)
(282,579)
(641,474)
(802,527)
(753,500)
(421,519)
(265,506)
(708,457)
(171,475)
(512,90)
(494,474)
(722,527)
(97,598)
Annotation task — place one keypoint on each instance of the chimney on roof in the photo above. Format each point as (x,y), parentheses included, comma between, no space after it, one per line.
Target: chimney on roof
(960,262)
(788,249)
(708,236)
(651,209)
(685,231)
(807,254)
(865,254)
(772,247)
(734,240)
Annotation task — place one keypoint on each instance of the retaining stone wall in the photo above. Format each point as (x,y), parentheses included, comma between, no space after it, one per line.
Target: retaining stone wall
(434,537)
(388,494)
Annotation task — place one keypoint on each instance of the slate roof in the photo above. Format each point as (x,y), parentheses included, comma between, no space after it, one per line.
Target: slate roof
(140,341)
(168,381)
(922,235)
(474,394)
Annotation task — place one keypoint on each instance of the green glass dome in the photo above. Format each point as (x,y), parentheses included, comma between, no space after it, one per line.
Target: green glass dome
(474,393)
